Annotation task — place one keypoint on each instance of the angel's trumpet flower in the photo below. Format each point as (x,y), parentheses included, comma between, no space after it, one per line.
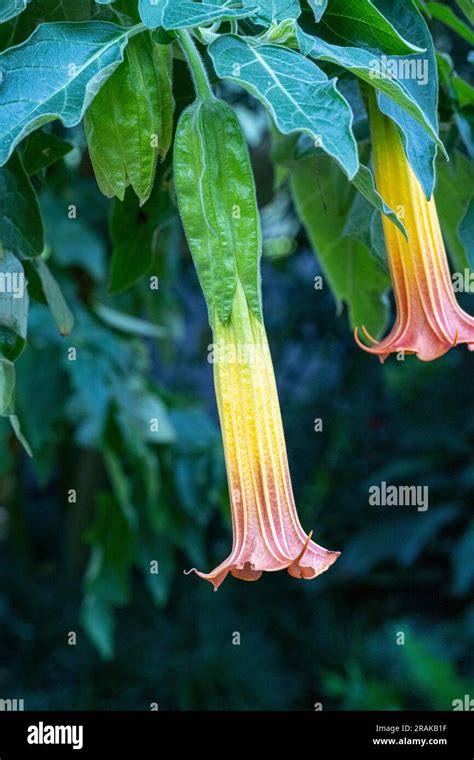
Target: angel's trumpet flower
(267,532)
(429,320)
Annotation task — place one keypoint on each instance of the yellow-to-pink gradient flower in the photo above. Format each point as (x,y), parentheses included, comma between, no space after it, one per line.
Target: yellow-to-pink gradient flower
(429,320)
(267,532)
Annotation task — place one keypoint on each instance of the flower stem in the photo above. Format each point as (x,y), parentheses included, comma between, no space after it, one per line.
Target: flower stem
(199,73)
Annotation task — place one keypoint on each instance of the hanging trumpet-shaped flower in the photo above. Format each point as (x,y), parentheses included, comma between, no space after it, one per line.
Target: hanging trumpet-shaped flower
(266,529)
(429,320)
(216,196)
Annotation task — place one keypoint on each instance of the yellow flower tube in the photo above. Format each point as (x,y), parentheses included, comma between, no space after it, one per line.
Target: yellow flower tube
(429,320)
(267,533)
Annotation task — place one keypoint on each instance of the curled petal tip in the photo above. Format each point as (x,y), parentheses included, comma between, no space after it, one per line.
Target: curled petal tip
(368,335)
(369,349)
(358,340)
(303,550)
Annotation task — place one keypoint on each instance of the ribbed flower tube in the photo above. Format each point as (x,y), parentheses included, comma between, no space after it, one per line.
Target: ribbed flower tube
(267,535)
(429,320)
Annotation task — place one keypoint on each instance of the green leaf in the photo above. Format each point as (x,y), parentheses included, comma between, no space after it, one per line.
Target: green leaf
(11,8)
(121,486)
(130,122)
(107,581)
(322,199)
(72,241)
(360,23)
(19,28)
(152,415)
(445,68)
(98,620)
(21,227)
(157,548)
(55,74)
(420,147)
(364,223)
(466,131)
(318,7)
(364,182)
(373,68)
(42,149)
(298,94)
(60,311)
(128,324)
(15,423)
(371,547)
(186,13)
(464,91)
(446,14)
(13,306)
(273,11)
(466,232)
(216,197)
(454,191)
(7,386)
(458,89)
(467,8)
(53,10)
(133,230)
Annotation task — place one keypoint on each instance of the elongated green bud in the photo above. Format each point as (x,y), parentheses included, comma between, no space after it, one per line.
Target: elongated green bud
(216,196)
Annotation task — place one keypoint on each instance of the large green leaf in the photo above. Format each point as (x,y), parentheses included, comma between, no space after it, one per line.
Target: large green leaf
(130,122)
(420,147)
(446,14)
(21,228)
(11,8)
(13,306)
(55,73)
(290,148)
(186,13)
(360,23)
(373,68)
(298,94)
(322,198)
(273,11)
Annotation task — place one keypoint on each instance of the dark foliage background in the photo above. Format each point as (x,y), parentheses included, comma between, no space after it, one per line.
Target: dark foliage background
(145,496)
